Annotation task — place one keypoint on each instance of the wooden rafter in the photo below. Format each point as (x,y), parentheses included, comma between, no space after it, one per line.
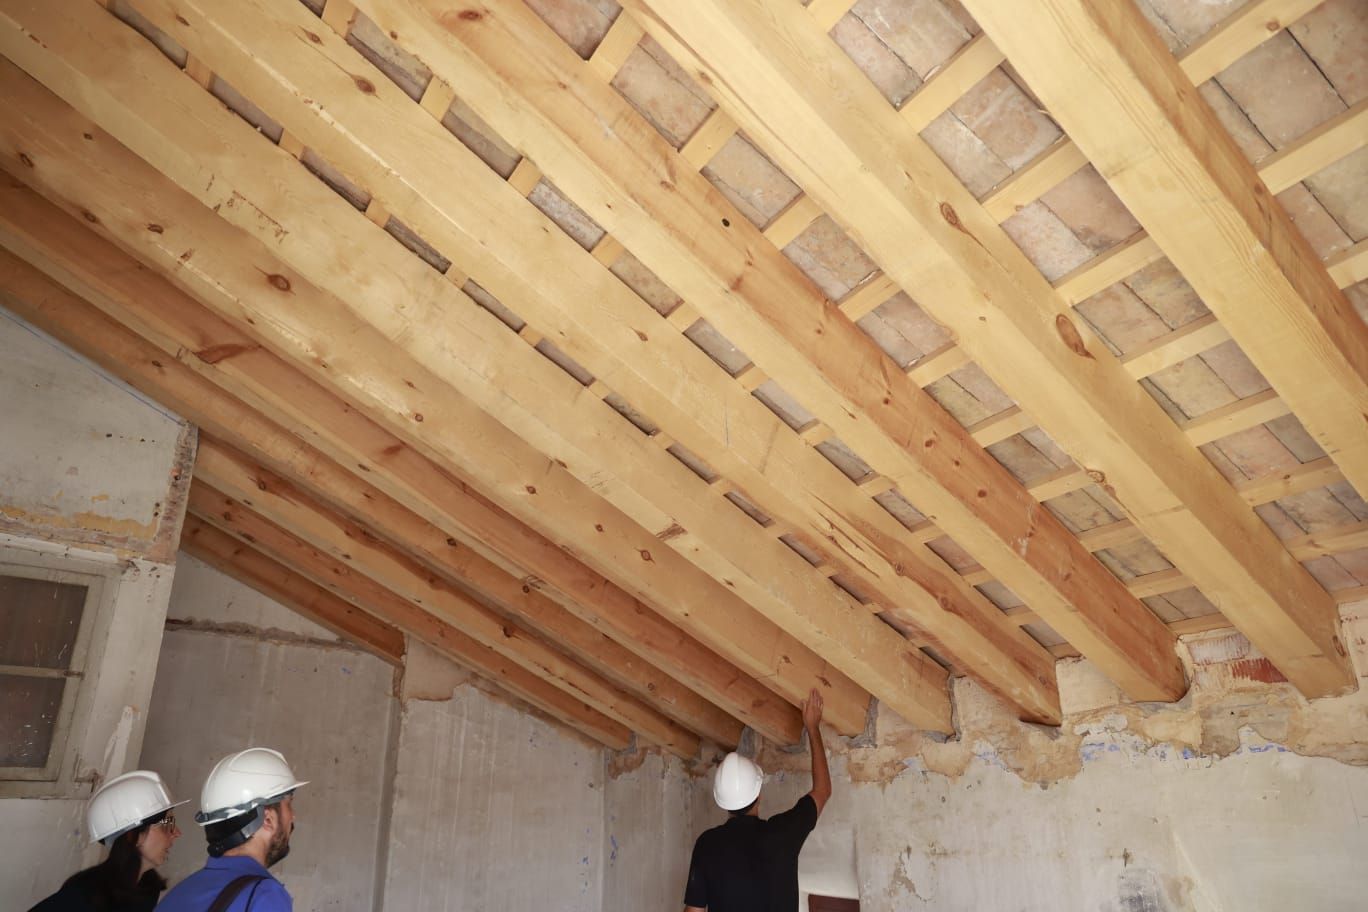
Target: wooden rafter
(853,154)
(1247,28)
(281,503)
(228,275)
(1113,85)
(380,638)
(634,183)
(419,539)
(393,147)
(197,352)
(217,518)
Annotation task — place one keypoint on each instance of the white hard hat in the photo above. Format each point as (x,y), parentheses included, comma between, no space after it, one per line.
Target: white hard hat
(126,802)
(245,780)
(737,782)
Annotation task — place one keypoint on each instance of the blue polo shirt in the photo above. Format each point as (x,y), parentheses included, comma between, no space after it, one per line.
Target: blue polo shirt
(198,891)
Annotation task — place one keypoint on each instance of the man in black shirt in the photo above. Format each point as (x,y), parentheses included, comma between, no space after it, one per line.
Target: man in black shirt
(748,864)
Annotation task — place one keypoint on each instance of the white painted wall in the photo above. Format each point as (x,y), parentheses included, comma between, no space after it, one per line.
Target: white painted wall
(91,479)
(238,670)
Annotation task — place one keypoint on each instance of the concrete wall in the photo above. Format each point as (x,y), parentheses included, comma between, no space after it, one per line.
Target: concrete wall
(92,479)
(494,808)
(1242,796)
(653,809)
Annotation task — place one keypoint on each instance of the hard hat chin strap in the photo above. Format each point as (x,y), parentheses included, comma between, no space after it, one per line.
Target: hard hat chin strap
(241,835)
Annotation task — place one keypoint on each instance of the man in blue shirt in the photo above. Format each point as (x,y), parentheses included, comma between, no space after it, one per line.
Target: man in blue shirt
(247,811)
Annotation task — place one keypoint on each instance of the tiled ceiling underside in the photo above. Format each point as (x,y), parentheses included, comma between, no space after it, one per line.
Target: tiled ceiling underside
(1294,82)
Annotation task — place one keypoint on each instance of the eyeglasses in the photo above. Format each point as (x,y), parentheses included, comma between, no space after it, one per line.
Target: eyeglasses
(168,822)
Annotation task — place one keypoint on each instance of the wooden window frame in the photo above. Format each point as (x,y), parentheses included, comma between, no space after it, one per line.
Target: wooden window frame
(77,694)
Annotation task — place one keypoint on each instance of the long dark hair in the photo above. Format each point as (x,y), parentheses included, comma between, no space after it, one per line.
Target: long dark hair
(114,882)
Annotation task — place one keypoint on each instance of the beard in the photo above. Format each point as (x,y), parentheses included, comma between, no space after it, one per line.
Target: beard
(278,847)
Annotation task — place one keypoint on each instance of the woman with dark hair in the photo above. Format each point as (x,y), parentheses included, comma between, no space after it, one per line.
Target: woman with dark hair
(132,815)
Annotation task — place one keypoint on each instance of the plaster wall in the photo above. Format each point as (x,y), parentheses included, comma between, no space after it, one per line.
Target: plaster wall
(84,458)
(1241,796)
(92,478)
(494,808)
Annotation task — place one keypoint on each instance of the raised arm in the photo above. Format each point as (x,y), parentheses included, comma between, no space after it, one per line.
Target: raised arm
(821,775)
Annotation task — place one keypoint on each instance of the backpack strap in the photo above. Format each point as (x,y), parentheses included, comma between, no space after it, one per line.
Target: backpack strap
(230,892)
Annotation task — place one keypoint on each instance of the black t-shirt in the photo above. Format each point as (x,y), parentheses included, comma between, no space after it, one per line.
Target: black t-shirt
(751,865)
(76,895)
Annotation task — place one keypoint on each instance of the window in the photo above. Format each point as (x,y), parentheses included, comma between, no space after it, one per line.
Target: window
(46,616)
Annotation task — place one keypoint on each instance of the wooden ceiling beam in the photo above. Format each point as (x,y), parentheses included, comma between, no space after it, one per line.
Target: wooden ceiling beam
(395,150)
(325,341)
(342,539)
(633,182)
(205,370)
(418,539)
(218,516)
(965,69)
(394,316)
(854,155)
(1107,77)
(1247,28)
(257,571)
(1299,160)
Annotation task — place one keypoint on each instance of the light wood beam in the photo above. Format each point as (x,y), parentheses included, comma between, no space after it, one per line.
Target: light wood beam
(681,228)
(206,371)
(1323,146)
(1240,415)
(1105,270)
(1327,144)
(1105,74)
(966,69)
(1349,267)
(470,362)
(1337,138)
(259,572)
(793,221)
(616,46)
(391,390)
(1247,28)
(1191,339)
(276,501)
(1306,477)
(418,539)
(664,374)
(219,516)
(826,13)
(1241,32)
(854,156)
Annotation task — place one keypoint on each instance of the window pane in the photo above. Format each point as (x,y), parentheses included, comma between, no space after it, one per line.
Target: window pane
(29,707)
(39,621)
